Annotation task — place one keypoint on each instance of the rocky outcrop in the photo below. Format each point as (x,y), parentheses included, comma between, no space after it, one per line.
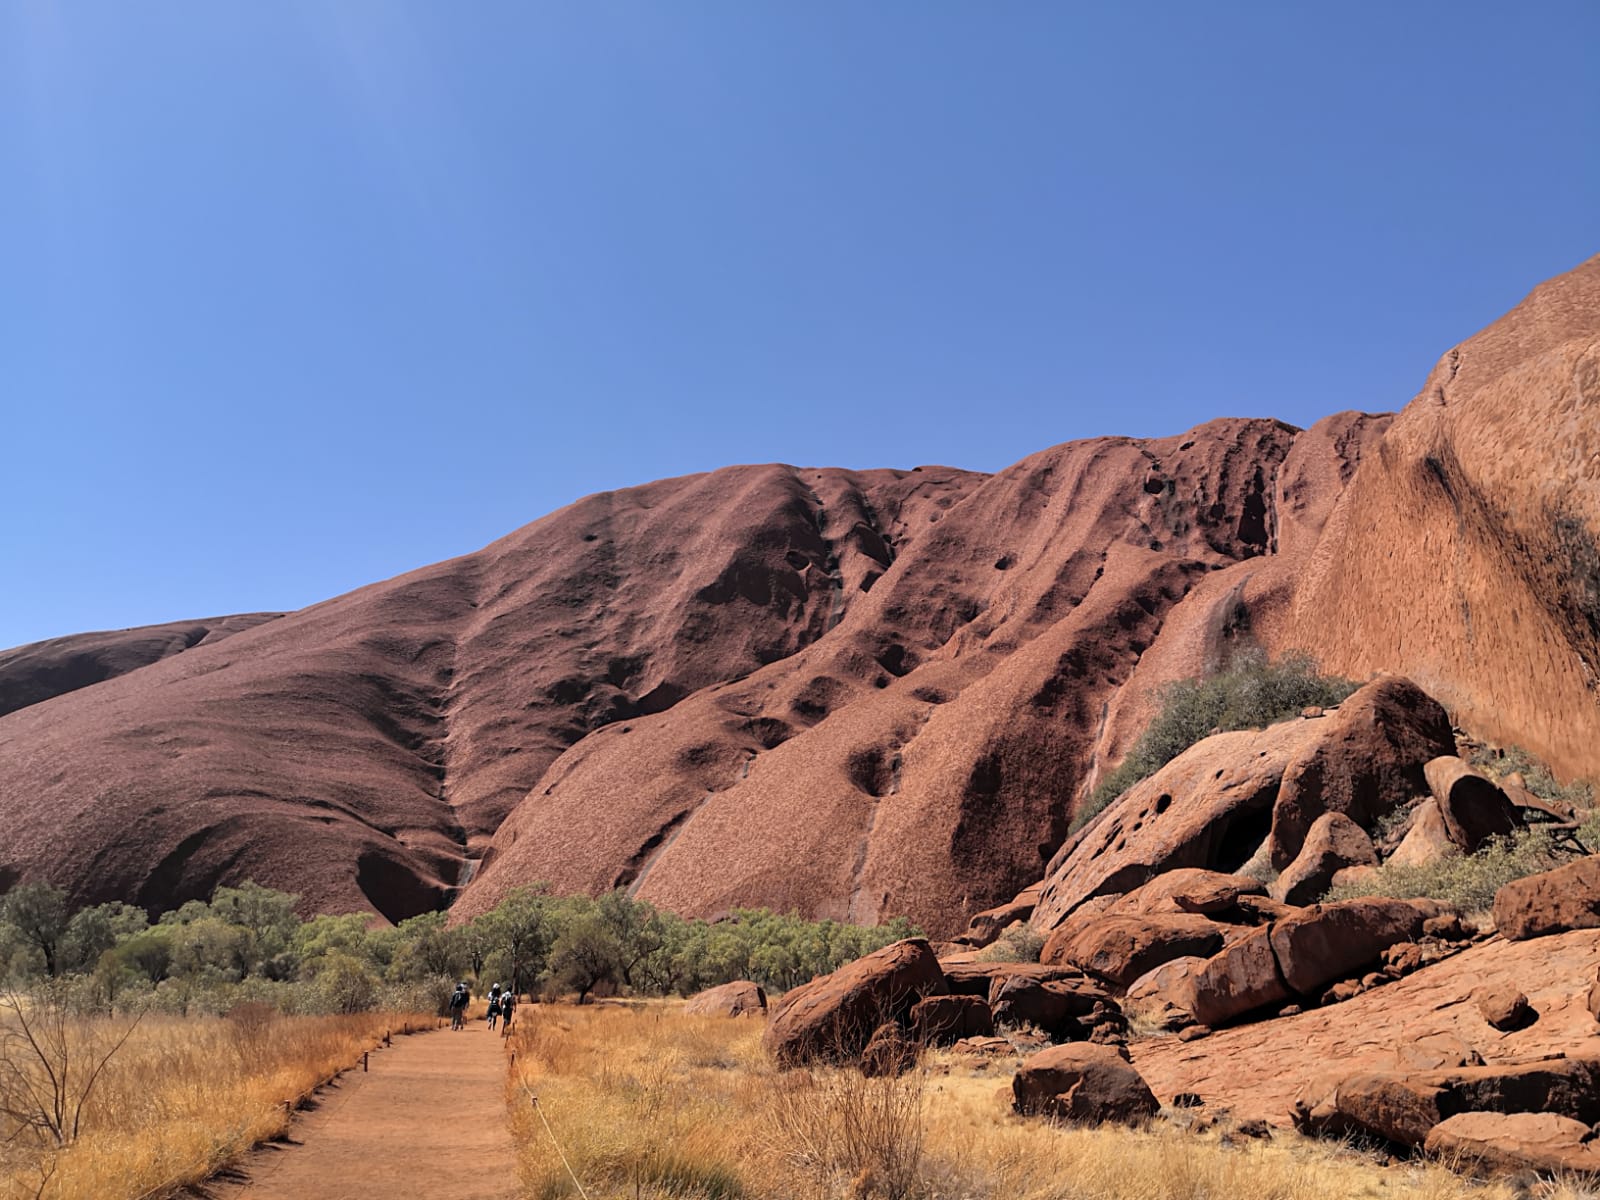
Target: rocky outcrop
(1258,1069)
(1552,902)
(1366,761)
(1232,795)
(833,1017)
(866,693)
(741,998)
(1083,1084)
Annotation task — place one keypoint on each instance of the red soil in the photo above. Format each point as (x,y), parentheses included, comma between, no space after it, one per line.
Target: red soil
(427,1119)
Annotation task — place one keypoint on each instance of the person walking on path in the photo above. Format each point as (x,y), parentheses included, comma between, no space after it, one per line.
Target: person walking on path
(508,1005)
(494,1003)
(458,1006)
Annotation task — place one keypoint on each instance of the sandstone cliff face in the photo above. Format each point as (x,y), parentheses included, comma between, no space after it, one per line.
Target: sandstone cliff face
(1465,552)
(361,752)
(924,755)
(857,694)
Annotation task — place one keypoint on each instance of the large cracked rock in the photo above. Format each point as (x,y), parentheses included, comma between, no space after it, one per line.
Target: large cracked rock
(1238,980)
(1405,1108)
(1474,808)
(1084,1084)
(833,1017)
(1119,949)
(1544,1142)
(1551,902)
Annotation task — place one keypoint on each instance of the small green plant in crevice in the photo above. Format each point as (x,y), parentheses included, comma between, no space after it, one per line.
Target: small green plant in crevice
(1017,944)
(1250,692)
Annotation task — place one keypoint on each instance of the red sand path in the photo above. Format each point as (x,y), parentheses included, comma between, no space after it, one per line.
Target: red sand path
(428,1119)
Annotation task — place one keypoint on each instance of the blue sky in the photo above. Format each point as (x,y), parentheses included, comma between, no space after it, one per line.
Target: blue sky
(298,295)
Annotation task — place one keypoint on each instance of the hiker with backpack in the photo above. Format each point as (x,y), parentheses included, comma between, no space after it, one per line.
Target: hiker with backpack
(494,1003)
(458,1006)
(508,1005)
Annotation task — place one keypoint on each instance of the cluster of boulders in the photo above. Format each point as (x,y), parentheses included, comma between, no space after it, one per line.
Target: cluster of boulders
(903,995)
(1195,902)
(1196,947)
(1311,803)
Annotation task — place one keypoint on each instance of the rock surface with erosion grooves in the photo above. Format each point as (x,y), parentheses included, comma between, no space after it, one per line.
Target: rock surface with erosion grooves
(1259,1069)
(834,1016)
(854,694)
(36,672)
(362,752)
(933,742)
(1491,469)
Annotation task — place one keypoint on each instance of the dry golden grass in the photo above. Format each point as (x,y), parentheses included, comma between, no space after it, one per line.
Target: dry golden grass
(648,1103)
(184,1096)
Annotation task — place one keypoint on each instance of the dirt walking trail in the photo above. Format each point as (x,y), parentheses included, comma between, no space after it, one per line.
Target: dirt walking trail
(427,1119)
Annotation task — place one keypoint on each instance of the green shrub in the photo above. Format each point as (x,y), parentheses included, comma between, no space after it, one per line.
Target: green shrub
(1020,944)
(246,945)
(1469,881)
(1251,692)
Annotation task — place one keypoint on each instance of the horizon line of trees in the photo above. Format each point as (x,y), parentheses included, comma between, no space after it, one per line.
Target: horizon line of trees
(247,944)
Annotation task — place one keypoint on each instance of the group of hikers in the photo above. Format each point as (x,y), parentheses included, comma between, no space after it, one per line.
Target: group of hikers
(502,1006)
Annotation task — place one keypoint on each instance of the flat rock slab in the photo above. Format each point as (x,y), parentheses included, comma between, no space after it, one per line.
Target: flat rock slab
(1257,1069)
(427,1119)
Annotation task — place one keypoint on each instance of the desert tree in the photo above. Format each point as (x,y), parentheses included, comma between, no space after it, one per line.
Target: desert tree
(38,913)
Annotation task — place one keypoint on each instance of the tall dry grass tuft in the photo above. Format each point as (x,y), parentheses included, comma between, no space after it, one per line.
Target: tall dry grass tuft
(838,1127)
(646,1104)
(178,1100)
